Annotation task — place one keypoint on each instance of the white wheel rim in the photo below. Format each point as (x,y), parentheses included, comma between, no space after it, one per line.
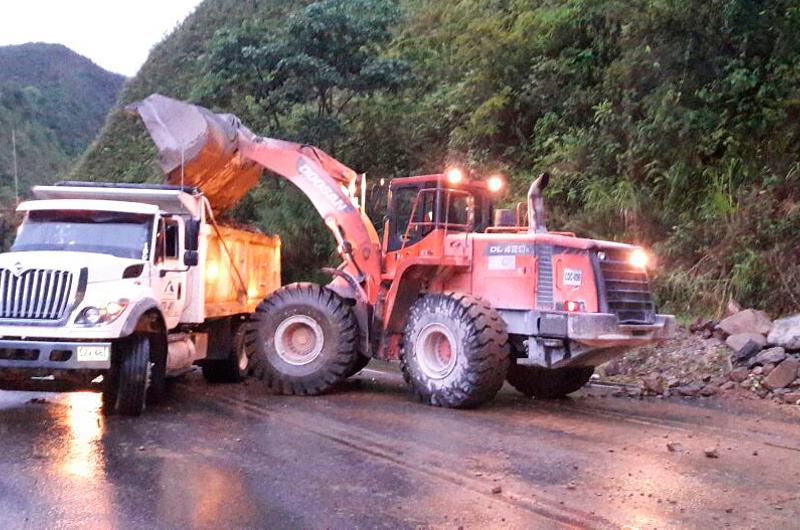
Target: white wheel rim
(436,351)
(299,340)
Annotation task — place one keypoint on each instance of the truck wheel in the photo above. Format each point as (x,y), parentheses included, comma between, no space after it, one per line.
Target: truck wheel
(455,351)
(126,386)
(548,383)
(239,363)
(308,340)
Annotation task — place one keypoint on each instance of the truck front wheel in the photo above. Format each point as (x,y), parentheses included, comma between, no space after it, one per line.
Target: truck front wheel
(548,383)
(308,340)
(455,351)
(127,382)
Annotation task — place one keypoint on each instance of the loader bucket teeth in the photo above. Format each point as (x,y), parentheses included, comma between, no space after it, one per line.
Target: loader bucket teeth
(199,148)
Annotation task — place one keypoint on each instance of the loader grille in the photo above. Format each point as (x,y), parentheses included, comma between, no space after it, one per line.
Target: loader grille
(627,289)
(35,294)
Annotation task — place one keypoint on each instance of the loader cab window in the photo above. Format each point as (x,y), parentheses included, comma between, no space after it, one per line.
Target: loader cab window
(401,210)
(413,213)
(167,240)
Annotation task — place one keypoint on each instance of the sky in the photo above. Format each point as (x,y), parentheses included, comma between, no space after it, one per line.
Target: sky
(115,34)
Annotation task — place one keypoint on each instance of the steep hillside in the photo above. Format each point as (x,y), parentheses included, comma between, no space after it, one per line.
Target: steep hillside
(122,151)
(671,124)
(73,94)
(56,101)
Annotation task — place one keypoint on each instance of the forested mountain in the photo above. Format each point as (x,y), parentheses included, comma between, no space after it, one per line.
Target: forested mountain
(56,102)
(672,123)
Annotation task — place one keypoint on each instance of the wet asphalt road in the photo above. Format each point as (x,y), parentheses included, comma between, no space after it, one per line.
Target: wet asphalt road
(228,456)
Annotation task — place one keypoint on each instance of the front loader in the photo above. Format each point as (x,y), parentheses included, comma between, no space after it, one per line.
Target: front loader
(464,295)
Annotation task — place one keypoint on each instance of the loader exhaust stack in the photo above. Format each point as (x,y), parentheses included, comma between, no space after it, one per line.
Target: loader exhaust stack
(536,204)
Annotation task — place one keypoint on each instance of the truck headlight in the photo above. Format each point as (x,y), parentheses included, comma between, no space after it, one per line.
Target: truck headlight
(639,259)
(94,316)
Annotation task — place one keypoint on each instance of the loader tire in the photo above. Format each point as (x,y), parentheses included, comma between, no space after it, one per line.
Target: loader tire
(308,340)
(126,384)
(548,383)
(239,364)
(455,351)
(361,362)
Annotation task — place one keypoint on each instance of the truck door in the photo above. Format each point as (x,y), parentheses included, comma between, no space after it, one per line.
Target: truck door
(169,283)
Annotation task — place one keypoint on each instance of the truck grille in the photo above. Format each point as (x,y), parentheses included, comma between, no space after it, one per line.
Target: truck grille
(36,294)
(627,289)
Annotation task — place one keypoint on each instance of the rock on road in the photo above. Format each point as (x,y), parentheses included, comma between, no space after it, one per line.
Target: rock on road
(229,456)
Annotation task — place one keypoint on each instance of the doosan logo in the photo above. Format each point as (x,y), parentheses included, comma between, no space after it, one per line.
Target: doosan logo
(338,202)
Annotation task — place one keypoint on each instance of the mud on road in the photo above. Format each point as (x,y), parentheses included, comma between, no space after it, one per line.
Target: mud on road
(229,456)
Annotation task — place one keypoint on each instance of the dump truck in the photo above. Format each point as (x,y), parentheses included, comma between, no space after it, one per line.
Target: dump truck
(463,294)
(118,286)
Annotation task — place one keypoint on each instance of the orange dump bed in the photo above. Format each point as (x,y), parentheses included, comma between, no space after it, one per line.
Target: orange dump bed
(233,290)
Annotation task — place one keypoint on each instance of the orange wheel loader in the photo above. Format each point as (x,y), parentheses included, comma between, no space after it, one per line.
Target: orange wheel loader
(464,295)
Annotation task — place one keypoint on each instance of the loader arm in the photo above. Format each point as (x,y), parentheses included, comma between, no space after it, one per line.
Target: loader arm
(219,155)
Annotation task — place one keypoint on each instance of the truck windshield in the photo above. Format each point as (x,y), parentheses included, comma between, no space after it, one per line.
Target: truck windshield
(125,235)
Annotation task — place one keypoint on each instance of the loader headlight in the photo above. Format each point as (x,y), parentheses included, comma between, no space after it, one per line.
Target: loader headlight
(94,316)
(639,259)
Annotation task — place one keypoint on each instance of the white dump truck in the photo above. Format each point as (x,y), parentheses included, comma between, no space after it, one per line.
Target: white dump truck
(119,286)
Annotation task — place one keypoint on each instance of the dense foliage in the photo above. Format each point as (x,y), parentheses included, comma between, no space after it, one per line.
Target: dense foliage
(55,101)
(672,123)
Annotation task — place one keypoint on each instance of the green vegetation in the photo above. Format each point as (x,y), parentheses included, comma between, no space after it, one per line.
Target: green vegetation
(671,123)
(55,101)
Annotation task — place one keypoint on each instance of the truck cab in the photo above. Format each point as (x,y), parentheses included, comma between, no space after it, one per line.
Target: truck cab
(102,274)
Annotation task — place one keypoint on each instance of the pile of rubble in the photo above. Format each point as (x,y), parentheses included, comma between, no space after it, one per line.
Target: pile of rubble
(744,352)
(766,354)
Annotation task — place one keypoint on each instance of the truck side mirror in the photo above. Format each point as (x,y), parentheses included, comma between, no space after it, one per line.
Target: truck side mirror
(192,235)
(191,258)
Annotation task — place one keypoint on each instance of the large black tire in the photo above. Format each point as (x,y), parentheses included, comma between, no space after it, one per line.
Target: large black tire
(359,364)
(157,382)
(455,351)
(309,340)
(125,390)
(548,383)
(239,363)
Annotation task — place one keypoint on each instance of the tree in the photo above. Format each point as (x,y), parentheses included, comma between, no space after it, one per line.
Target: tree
(300,81)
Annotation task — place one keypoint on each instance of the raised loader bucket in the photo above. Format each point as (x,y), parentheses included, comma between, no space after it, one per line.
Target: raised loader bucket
(199,148)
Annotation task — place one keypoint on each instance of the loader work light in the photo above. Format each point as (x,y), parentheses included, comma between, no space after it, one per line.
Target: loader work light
(639,259)
(455,175)
(495,183)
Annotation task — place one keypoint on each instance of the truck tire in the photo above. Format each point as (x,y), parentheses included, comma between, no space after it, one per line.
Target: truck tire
(548,383)
(308,340)
(125,390)
(239,363)
(455,351)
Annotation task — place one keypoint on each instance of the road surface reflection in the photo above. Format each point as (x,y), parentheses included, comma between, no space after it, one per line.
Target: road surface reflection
(84,457)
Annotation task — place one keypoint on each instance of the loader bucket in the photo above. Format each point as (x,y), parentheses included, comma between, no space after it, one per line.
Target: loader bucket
(199,148)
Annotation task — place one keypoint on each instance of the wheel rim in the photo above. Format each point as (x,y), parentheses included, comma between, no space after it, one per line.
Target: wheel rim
(436,352)
(299,340)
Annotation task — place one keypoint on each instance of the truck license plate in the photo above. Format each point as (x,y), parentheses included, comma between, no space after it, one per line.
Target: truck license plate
(573,277)
(93,353)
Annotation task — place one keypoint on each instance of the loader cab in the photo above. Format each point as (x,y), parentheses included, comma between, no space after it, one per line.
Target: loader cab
(420,205)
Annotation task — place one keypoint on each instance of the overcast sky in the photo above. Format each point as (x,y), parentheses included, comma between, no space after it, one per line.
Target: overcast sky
(116,34)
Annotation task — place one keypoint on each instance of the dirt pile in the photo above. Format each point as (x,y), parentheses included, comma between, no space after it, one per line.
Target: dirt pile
(744,353)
